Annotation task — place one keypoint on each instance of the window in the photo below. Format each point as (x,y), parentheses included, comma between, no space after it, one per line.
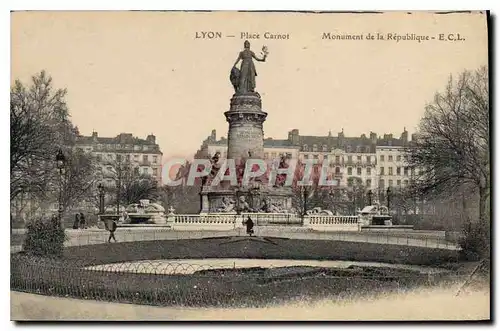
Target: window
(306,156)
(359,171)
(398,158)
(118,157)
(382,171)
(349,159)
(337,159)
(398,182)
(315,148)
(155,159)
(325,148)
(368,158)
(390,171)
(368,183)
(382,158)
(289,155)
(348,149)
(349,171)
(337,170)
(136,171)
(127,157)
(315,156)
(368,171)
(99,157)
(144,158)
(349,182)
(405,170)
(367,149)
(359,158)
(405,182)
(304,148)
(136,157)
(109,157)
(390,182)
(273,155)
(381,183)
(266,155)
(155,172)
(390,158)
(398,171)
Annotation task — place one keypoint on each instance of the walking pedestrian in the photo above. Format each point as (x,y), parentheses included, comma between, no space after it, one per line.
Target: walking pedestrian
(249,223)
(76,224)
(82,221)
(112,228)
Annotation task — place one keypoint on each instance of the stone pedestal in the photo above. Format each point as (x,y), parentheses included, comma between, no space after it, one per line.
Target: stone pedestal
(245,140)
(245,135)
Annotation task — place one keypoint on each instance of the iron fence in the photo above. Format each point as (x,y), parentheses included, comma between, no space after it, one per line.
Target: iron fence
(184,284)
(100,236)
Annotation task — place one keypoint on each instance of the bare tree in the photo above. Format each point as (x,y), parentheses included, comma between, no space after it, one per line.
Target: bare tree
(39,126)
(454,140)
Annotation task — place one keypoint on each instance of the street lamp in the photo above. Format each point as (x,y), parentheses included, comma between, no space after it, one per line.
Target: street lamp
(100,188)
(60,162)
(370,194)
(388,199)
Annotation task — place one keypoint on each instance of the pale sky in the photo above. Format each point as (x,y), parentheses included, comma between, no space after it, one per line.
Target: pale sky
(145,72)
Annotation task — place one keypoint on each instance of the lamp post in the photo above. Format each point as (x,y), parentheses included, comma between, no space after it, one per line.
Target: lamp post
(388,199)
(370,194)
(100,188)
(60,162)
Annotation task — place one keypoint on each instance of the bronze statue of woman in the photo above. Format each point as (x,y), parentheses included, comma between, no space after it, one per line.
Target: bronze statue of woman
(243,79)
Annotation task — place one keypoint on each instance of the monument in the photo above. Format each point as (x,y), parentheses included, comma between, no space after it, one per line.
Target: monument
(245,141)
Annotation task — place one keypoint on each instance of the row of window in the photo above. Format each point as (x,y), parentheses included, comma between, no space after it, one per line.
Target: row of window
(406,170)
(382,172)
(390,158)
(348,149)
(145,171)
(381,183)
(100,147)
(126,157)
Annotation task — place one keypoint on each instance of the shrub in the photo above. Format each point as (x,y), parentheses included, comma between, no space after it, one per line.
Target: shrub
(475,241)
(45,238)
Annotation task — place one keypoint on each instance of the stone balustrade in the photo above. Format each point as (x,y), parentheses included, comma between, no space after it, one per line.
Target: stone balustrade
(260,219)
(226,222)
(332,223)
(213,221)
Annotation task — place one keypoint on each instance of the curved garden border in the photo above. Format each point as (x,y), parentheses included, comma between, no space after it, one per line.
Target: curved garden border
(70,276)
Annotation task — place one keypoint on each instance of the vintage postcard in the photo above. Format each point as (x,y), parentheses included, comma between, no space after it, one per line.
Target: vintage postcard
(250,166)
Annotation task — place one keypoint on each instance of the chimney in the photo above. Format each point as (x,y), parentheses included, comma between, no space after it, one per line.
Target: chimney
(151,139)
(94,134)
(404,136)
(213,135)
(373,137)
(293,136)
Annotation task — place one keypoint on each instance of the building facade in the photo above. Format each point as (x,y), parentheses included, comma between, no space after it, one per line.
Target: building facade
(143,154)
(374,162)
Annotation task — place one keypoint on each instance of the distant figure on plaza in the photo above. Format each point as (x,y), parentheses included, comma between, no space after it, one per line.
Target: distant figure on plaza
(82,221)
(249,223)
(76,224)
(112,228)
(243,79)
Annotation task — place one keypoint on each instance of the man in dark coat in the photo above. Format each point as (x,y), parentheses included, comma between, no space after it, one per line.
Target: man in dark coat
(249,223)
(112,228)
(82,221)
(76,224)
